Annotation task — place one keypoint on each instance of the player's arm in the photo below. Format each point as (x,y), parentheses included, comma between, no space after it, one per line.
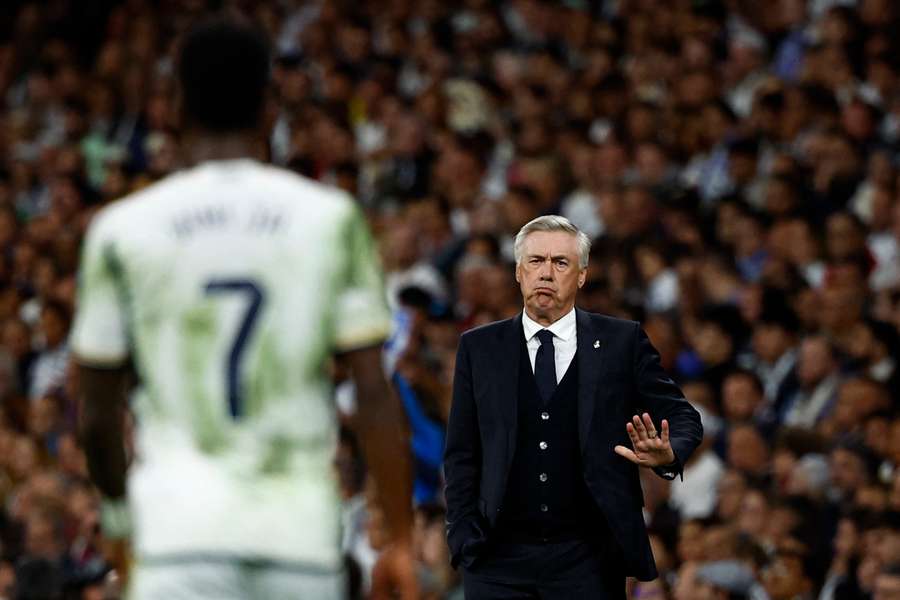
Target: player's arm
(380,424)
(99,343)
(102,393)
(381,427)
(362,322)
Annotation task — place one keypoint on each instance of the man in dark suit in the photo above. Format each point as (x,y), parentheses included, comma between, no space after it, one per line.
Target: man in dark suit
(545,438)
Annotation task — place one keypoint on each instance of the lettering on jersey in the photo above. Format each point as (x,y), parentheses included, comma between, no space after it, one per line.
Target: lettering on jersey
(265,220)
(261,220)
(186,224)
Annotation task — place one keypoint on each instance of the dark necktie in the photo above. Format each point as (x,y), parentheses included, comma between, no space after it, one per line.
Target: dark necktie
(545,366)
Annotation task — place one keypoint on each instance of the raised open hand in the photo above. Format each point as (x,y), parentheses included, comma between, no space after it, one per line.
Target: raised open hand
(651,449)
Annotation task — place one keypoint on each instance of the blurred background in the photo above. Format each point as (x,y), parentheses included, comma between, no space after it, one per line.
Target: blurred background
(734,161)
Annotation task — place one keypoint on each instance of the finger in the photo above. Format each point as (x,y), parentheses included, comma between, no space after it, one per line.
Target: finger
(627,453)
(648,423)
(639,426)
(664,435)
(653,441)
(640,445)
(632,433)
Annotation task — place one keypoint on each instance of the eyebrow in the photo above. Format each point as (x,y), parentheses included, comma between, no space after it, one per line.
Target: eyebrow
(554,257)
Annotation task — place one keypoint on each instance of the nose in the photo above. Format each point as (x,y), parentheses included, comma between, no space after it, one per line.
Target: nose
(546,272)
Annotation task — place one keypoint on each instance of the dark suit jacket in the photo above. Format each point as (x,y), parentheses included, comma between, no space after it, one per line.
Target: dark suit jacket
(619,378)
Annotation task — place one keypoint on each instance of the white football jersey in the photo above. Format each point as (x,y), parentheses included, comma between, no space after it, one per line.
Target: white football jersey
(230,284)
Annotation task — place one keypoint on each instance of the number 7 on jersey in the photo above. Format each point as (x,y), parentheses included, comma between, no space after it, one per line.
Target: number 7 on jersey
(254,297)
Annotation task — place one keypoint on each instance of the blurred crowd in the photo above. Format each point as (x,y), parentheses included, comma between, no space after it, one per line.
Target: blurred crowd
(734,161)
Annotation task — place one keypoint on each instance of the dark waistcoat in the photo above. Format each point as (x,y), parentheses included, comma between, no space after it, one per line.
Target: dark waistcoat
(546,497)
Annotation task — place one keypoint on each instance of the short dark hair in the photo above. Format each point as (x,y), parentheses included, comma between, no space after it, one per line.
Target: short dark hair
(726,318)
(223,72)
(799,441)
(776,311)
(854,444)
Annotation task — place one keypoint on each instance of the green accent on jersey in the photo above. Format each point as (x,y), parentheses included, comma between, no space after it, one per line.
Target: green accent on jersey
(361,271)
(198,334)
(264,374)
(276,461)
(115,271)
(149,392)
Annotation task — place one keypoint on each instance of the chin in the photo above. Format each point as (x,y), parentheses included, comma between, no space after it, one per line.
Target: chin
(548,312)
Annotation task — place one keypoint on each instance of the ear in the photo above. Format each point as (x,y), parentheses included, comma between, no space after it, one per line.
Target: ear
(582,277)
(518,273)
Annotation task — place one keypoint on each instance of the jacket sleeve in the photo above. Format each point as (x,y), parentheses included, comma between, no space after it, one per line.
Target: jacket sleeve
(662,399)
(462,464)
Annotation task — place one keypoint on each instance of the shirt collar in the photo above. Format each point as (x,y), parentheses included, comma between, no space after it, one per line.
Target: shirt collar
(563,328)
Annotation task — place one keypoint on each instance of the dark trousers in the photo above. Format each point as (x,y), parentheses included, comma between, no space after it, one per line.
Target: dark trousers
(574,570)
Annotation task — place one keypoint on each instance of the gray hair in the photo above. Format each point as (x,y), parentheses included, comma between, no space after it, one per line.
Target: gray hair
(554,223)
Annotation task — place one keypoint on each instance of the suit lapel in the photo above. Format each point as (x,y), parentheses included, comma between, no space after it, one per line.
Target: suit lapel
(590,360)
(507,353)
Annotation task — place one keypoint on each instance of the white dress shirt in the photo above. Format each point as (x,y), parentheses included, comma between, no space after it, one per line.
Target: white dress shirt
(565,341)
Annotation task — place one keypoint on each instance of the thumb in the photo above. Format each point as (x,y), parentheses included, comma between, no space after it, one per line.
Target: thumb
(626,453)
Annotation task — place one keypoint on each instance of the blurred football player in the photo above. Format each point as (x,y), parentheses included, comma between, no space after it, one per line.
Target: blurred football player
(227,287)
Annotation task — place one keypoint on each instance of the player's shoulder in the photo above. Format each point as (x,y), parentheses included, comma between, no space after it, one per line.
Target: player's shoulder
(318,202)
(131,210)
(297,182)
(304,193)
(138,209)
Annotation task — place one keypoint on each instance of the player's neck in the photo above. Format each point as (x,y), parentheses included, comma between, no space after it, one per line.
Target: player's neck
(203,147)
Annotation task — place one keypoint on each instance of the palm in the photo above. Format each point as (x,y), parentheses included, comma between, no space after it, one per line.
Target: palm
(649,449)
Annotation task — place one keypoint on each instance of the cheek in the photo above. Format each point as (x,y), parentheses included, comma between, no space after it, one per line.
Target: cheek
(571,283)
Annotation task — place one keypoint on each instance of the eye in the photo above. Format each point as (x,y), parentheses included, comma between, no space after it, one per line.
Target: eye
(535,261)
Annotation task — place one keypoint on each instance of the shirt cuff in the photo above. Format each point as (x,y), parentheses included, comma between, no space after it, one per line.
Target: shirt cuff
(666,472)
(671,470)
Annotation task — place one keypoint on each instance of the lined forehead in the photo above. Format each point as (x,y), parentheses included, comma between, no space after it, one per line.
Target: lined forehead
(551,243)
